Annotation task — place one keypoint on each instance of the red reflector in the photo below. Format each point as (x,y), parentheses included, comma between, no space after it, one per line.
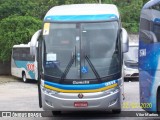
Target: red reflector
(80,104)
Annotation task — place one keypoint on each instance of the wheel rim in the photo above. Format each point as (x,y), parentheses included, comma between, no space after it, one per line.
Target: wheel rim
(24,77)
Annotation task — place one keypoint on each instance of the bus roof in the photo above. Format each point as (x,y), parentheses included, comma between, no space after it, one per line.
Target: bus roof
(150,4)
(82,12)
(22,45)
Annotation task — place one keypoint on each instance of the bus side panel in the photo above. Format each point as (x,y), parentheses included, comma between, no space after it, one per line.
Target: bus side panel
(148,70)
(14,70)
(25,66)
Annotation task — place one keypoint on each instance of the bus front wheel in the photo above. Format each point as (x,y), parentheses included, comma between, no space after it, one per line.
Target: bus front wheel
(24,77)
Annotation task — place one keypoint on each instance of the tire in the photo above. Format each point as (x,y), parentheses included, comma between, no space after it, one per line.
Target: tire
(158,102)
(116,111)
(24,78)
(56,113)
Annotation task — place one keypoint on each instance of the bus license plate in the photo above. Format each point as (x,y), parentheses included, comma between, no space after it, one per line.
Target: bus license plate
(80,104)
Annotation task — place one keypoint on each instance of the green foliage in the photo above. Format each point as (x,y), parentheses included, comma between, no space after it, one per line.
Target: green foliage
(130,12)
(16,30)
(26,7)
(80,1)
(19,7)
(16,25)
(44,5)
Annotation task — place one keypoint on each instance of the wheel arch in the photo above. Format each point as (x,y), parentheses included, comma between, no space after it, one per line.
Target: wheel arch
(158,99)
(23,72)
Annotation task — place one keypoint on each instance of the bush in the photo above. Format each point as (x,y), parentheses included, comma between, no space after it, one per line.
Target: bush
(16,30)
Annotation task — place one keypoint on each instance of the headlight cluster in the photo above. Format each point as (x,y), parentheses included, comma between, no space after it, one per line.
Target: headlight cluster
(111,91)
(47,91)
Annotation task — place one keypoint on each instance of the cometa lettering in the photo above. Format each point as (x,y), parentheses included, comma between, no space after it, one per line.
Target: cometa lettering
(80,82)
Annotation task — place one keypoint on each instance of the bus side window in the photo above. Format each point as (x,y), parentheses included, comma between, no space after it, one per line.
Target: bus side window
(156,30)
(146,37)
(156,23)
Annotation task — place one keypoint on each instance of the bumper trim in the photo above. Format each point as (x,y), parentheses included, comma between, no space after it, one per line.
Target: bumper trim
(80,91)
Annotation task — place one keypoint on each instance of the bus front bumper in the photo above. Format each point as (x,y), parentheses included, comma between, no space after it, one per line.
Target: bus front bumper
(101,101)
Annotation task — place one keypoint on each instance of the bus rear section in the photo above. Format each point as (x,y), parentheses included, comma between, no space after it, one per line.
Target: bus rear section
(22,63)
(149,66)
(80,58)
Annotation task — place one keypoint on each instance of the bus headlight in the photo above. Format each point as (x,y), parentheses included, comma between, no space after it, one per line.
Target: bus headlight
(48,91)
(112,91)
(42,83)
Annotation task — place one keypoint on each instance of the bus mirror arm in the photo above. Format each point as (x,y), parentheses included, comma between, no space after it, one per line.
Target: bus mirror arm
(34,42)
(125,41)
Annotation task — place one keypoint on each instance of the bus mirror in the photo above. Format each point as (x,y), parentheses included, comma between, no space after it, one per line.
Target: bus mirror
(125,41)
(34,42)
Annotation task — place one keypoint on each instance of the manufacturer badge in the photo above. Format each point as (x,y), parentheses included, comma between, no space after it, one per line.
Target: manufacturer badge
(80,95)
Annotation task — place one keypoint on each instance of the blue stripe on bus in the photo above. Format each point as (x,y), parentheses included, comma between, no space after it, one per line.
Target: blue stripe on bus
(81,17)
(23,64)
(80,87)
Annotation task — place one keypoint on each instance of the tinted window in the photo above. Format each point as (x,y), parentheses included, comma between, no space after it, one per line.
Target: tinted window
(145,24)
(22,54)
(156,7)
(145,27)
(157,31)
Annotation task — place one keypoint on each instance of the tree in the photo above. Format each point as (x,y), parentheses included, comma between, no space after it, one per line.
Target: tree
(80,1)
(26,8)
(44,5)
(18,7)
(130,12)
(16,30)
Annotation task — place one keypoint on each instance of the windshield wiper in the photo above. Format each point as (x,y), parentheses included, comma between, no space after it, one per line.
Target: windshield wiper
(93,69)
(67,68)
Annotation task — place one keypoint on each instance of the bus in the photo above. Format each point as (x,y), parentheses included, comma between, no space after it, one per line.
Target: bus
(149,60)
(80,58)
(131,61)
(23,64)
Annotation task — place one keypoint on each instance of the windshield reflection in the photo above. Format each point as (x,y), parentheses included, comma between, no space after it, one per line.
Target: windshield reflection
(67,44)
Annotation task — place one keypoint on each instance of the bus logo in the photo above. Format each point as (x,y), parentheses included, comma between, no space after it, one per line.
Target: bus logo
(30,67)
(80,95)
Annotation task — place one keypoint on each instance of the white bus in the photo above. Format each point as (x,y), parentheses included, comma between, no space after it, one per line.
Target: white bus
(23,64)
(80,58)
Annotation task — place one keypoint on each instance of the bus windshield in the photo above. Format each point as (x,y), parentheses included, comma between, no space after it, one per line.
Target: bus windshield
(81,50)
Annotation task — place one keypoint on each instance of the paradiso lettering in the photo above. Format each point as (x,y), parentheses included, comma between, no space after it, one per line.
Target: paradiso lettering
(110,83)
(30,67)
